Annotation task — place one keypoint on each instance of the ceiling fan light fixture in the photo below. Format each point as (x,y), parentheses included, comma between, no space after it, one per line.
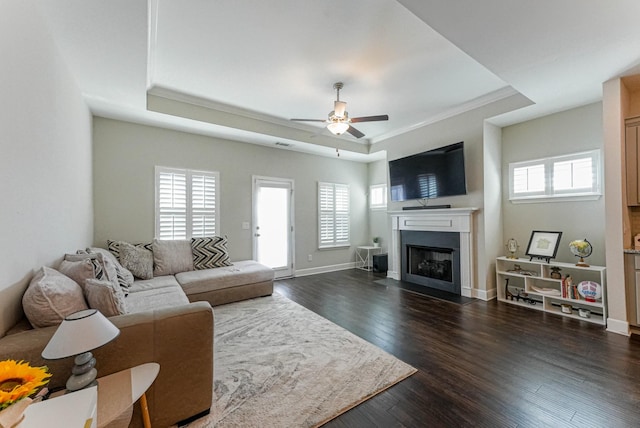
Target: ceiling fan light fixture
(338,128)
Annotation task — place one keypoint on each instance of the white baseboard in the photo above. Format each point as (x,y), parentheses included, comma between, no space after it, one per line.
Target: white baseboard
(618,326)
(485,295)
(324,269)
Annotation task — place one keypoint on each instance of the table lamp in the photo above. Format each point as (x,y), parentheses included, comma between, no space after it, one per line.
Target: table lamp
(79,334)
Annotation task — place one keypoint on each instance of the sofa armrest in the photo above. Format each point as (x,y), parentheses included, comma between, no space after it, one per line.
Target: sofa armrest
(179,338)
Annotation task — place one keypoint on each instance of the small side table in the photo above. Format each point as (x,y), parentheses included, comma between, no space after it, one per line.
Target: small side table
(119,391)
(364,255)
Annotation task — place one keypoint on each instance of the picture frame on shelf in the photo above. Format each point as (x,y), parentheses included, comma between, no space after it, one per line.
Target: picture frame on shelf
(543,245)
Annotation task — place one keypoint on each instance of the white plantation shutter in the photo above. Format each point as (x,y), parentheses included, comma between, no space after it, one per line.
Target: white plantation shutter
(172,205)
(203,205)
(334,216)
(186,203)
(574,176)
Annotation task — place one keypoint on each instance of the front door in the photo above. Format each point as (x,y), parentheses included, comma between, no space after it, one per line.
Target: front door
(273,224)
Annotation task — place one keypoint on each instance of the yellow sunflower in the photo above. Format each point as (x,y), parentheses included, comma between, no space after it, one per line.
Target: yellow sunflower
(18,380)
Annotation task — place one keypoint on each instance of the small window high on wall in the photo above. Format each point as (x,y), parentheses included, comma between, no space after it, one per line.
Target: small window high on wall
(186,203)
(378,197)
(575,176)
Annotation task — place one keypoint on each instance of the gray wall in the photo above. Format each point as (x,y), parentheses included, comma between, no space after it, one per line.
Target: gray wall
(125,155)
(379,224)
(46,192)
(571,131)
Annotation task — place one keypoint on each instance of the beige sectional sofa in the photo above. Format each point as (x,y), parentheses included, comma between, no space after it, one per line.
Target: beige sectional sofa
(168,320)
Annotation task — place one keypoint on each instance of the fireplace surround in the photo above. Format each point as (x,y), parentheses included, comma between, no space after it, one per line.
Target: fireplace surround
(458,221)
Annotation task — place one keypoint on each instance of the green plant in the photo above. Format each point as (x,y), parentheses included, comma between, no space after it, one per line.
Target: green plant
(376,239)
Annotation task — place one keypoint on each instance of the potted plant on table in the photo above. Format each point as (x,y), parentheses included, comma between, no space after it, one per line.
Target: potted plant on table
(376,241)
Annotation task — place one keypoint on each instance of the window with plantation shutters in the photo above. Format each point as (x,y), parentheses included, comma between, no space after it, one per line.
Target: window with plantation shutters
(568,177)
(186,203)
(333,215)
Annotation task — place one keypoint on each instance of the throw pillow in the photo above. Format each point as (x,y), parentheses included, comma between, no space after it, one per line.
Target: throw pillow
(104,269)
(106,297)
(50,297)
(138,260)
(171,257)
(210,252)
(124,276)
(79,270)
(114,247)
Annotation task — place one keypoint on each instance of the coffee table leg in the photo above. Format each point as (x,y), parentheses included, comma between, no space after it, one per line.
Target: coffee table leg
(145,411)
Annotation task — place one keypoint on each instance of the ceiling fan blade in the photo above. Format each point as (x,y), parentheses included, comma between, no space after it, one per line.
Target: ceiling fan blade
(353,131)
(339,108)
(309,120)
(369,118)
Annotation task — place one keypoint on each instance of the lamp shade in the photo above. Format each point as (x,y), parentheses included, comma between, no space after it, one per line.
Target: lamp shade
(338,128)
(80,332)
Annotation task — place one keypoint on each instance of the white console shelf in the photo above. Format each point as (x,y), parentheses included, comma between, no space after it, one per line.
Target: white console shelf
(539,285)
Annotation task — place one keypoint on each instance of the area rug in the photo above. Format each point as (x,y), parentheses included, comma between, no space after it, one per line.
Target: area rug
(278,364)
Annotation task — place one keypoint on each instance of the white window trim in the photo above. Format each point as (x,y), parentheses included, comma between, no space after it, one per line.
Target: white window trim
(551,195)
(334,243)
(189,194)
(382,206)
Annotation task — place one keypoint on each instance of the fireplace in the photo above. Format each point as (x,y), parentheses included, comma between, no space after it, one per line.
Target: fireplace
(456,221)
(431,259)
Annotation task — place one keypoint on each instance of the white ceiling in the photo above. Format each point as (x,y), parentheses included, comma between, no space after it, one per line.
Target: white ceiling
(416,60)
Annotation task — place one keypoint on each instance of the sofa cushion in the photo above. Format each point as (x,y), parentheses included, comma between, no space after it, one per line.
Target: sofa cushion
(105,296)
(50,297)
(171,256)
(138,260)
(210,252)
(241,273)
(156,298)
(155,282)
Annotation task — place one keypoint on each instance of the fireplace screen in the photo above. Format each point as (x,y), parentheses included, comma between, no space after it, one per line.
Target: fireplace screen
(431,262)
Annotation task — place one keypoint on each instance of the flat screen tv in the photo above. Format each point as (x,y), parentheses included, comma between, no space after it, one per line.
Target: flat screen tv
(432,174)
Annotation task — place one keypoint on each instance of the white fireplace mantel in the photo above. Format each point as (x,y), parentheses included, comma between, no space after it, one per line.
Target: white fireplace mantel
(437,220)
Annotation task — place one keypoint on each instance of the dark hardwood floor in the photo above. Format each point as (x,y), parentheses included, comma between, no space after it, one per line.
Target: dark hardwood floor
(484,364)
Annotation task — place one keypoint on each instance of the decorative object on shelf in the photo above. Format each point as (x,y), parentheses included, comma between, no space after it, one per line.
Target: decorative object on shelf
(79,334)
(555,273)
(518,269)
(566,308)
(512,247)
(18,381)
(376,241)
(549,291)
(543,245)
(520,296)
(590,290)
(581,248)
(584,313)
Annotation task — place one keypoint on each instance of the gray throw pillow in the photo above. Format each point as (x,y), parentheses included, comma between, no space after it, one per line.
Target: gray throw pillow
(171,257)
(106,297)
(138,260)
(50,297)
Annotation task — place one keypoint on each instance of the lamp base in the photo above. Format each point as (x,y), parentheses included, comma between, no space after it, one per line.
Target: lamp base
(84,372)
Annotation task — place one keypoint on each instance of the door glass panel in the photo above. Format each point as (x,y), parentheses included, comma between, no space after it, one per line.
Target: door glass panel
(273,223)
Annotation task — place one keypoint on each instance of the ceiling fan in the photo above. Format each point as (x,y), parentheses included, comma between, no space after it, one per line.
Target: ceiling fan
(339,121)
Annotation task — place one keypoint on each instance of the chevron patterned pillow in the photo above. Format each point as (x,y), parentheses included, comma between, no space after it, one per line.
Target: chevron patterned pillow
(210,252)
